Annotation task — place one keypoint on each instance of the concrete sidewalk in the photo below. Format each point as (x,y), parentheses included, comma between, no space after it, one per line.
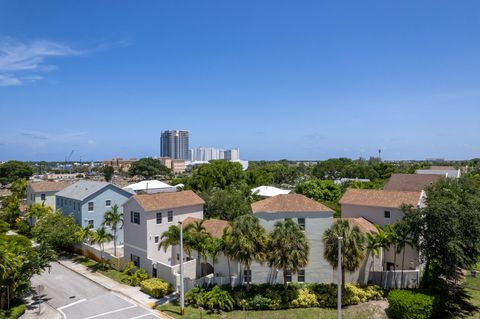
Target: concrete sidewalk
(46,311)
(133,293)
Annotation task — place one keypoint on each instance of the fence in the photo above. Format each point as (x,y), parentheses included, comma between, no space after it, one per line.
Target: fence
(394,279)
(94,252)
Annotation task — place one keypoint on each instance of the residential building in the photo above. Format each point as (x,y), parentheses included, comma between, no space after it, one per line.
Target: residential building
(445,171)
(174,144)
(88,201)
(410,182)
(314,218)
(177,166)
(119,164)
(44,192)
(206,154)
(232,155)
(147,217)
(269,191)
(150,186)
(383,207)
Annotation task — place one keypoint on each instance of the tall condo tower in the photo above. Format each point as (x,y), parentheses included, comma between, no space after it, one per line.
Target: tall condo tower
(174,144)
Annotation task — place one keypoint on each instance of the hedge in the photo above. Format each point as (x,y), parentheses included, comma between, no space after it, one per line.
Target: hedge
(406,304)
(155,287)
(14,312)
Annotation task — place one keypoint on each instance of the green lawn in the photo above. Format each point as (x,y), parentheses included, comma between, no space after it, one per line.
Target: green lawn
(363,311)
(94,266)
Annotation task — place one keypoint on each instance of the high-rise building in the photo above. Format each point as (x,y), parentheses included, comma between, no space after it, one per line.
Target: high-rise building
(205,154)
(174,144)
(233,154)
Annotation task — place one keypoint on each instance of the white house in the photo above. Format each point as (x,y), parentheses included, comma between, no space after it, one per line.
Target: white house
(313,217)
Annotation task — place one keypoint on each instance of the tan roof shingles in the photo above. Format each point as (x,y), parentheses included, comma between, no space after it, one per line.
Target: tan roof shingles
(379,198)
(214,227)
(49,186)
(158,201)
(364,225)
(410,182)
(289,203)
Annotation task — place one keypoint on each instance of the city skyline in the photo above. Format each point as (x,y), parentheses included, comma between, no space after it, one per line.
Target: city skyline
(277,79)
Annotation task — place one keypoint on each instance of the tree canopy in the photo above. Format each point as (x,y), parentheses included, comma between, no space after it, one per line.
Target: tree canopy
(320,190)
(226,204)
(13,170)
(148,168)
(56,230)
(217,174)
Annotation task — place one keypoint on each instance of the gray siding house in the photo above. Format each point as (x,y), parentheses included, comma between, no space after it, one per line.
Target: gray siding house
(88,201)
(314,218)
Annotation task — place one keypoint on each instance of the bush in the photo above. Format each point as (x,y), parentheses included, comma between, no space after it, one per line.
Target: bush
(194,296)
(129,268)
(217,299)
(155,287)
(305,299)
(259,302)
(138,276)
(14,312)
(406,304)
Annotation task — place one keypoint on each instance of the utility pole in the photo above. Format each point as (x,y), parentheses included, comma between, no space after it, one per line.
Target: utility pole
(182,292)
(339,286)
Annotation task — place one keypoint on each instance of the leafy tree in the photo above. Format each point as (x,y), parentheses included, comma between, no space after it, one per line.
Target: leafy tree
(108,173)
(148,168)
(113,218)
(217,174)
(19,188)
(447,228)
(85,234)
(226,204)
(56,230)
(288,249)
(10,211)
(13,170)
(272,173)
(37,211)
(320,190)
(250,241)
(353,246)
(101,236)
(331,169)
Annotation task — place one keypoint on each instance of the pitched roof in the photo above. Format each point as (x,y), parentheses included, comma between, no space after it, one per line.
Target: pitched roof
(269,191)
(158,201)
(214,227)
(289,203)
(49,186)
(364,225)
(84,188)
(379,198)
(410,182)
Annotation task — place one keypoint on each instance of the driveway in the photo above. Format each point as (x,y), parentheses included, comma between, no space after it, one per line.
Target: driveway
(76,297)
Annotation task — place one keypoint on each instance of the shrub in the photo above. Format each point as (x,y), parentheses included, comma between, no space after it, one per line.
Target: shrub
(128,268)
(194,296)
(305,299)
(217,299)
(406,304)
(155,287)
(259,302)
(138,276)
(14,312)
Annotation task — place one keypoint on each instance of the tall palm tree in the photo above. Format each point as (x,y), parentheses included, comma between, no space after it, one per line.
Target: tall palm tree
(214,247)
(227,249)
(288,249)
(250,242)
(373,247)
(113,218)
(353,246)
(100,237)
(404,238)
(85,234)
(171,237)
(384,240)
(198,233)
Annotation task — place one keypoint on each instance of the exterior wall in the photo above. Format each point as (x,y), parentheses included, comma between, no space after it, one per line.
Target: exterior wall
(318,269)
(376,215)
(140,238)
(33,197)
(79,209)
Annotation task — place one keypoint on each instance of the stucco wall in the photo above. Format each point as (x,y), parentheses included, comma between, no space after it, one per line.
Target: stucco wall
(33,197)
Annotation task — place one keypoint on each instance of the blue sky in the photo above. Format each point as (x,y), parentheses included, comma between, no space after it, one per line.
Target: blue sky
(278,79)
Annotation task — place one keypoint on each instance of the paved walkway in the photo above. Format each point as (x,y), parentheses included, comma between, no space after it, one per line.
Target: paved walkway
(133,293)
(33,312)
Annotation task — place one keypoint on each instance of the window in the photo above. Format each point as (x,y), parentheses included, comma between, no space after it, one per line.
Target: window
(156,239)
(91,222)
(108,203)
(287,219)
(247,275)
(170,216)
(159,218)
(135,259)
(301,223)
(288,275)
(42,196)
(90,206)
(301,275)
(386,214)
(135,217)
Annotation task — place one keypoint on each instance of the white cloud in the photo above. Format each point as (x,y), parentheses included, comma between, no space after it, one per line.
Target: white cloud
(21,62)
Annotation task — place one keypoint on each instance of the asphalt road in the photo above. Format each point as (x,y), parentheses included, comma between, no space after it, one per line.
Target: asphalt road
(76,297)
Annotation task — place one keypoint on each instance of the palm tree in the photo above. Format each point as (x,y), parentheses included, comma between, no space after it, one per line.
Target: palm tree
(353,246)
(100,237)
(113,219)
(227,248)
(249,242)
(384,240)
(85,234)
(198,233)
(373,247)
(288,249)
(171,237)
(404,238)
(214,247)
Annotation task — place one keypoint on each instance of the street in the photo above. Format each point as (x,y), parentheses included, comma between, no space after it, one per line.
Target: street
(76,297)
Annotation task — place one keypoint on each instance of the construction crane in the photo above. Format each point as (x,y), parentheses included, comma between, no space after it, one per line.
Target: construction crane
(67,159)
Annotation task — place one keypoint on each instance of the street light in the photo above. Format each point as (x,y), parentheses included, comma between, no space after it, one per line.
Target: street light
(182,293)
(339,286)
